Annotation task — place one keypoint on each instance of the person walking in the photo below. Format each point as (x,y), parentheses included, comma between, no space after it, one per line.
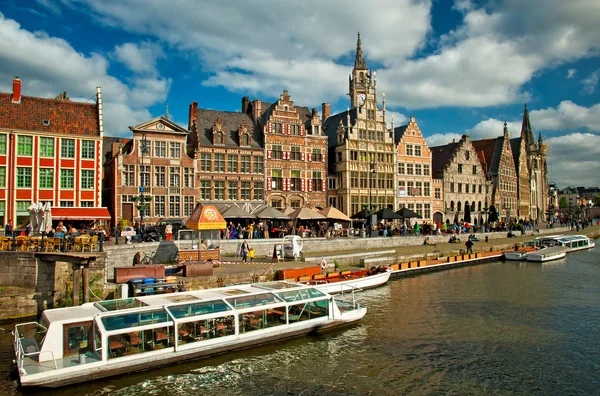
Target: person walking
(169,232)
(245,249)
(469,245)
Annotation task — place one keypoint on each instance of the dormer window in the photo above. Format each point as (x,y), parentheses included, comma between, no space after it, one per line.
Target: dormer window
(218,132)
(244,135)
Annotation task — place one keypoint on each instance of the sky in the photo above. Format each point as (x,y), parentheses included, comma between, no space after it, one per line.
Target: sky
(461,66)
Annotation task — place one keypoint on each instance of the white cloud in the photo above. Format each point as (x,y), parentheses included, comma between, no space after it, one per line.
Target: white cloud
(139,58)
(50,5)
(573,159)
(57,67)
(399,119)
(590,83)
(567,115)
(492,128)
(440,139)
(571,73)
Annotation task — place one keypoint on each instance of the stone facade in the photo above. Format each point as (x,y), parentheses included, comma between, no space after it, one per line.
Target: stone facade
(538,169)
(296,155)
(365,155)
(414,170)
(464,180)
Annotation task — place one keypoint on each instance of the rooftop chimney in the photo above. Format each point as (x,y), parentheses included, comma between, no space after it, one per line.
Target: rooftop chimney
(257,109)
(326,111)
(16,90)
(245,102)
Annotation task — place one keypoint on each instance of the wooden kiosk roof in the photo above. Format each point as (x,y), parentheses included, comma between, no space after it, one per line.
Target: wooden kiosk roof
(206,217)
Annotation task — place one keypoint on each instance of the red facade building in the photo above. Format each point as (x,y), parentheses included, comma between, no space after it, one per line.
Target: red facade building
(50,151)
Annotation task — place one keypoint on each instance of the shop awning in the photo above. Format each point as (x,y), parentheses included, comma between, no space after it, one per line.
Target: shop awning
(80,214)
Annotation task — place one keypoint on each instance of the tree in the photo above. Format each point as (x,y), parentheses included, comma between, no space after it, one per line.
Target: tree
(563,203)
(596,200)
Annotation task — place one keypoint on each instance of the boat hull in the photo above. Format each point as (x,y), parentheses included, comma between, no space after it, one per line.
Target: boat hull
(515,256)
(169,356)
(365,282)
(548,254)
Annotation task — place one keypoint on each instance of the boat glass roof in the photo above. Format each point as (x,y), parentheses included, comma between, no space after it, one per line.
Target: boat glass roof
(134,319)
(117,305)
(199,308)
(235,292)
(183,298)
(253,300)
(301,294)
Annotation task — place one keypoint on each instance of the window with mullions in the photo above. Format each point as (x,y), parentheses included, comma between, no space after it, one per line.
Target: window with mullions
(317,181)
(23,177)
(277,179)
(425,170)
(174,205)
(259,188)
(295,154)
(258,165)
(2,176)
(67,178)
(409,149)
(245,191)
(276,127)
(296,181)
(188,205)
(316,155)
(232,190)
(47,147)
(245,164)
(276,152)
(175,149)
(67,148)
(145,175)
(353,179)
(24,145)
(2,144)
(417,151)
(87,179)
(401,168)
(160,149)
(88,149)
(219,190)
(205,162)
(219,164)
(410,169)
(418,169)
(128,175)
(296,130)
(188,177)
(159,176)
(205,190)
(232,163)
(159,205)
(174,176)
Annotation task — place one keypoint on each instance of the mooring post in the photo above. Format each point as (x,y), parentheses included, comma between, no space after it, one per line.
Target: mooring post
(85,285)
(76,272)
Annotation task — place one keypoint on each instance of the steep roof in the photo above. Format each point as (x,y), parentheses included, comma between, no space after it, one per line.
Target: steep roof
(515,146)
(330,126)
(399,133)
(205,120)
(64,116)
(441,155)
(489,152)
(359,61)
(526,131)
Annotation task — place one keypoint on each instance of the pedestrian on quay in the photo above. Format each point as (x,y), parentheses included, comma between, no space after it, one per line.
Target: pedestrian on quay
(8,228)
(169,232)
(469,245)
(245,250)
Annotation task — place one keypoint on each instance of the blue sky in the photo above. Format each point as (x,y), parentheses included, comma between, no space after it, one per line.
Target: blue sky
(458,66)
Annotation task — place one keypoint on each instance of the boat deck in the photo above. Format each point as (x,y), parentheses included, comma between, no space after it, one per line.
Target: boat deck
(32,366)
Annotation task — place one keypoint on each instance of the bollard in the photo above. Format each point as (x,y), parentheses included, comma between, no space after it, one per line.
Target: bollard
(101,242)
(486,238)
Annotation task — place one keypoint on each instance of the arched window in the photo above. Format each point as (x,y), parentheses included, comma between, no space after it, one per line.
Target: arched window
(479,206)
(244,140)
(459,206)
(473,206)
(452,206)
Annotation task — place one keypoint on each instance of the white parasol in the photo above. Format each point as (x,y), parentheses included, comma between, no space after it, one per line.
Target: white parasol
(47,223)
(39,216)
(32,215)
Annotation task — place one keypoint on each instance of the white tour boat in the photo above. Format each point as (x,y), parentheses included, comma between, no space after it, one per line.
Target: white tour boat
(575,242)
(548,254)
(106,338)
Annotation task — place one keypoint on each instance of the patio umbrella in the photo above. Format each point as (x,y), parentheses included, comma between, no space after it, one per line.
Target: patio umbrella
(288,210)
(32,215)
(363,214)
(467,216)
(334,214)
(388,214)
(305,213)
(39,215)
(407,213)
(493,216)
(271,213)
(235,212)
(47,226)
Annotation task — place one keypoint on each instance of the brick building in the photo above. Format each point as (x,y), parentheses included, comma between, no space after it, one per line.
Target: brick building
(229,150)
(414,170)
(49,152)
(363,149)
(165,171)
(296,154)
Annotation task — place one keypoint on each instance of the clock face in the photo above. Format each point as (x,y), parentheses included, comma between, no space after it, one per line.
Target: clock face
(361,99)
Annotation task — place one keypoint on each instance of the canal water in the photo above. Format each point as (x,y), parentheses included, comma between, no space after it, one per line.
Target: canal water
(494,329)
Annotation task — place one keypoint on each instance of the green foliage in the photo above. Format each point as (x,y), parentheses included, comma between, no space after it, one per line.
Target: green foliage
(563,203)
(336,263)
(67,299)
(596,200)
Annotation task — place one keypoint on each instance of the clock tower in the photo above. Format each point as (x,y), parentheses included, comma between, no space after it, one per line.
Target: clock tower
(362,82)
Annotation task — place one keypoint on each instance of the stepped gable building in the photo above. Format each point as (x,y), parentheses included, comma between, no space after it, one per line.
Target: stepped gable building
(365,154)
(414,170)
(229,150)
(165,173)
(295,153)
(538,169)
(464,180)
(50,152)
(519,152)
(496,157)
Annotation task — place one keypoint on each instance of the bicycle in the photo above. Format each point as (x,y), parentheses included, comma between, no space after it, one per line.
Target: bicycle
(147,258)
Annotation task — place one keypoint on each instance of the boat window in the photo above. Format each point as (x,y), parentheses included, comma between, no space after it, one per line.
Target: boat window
(311,310)
(135,342)
(302,294)
(262,319)
(135,319)
(205,329)
(200,308)
(277,285)
(77,338)
(97,338)
(252,300)
(116,305)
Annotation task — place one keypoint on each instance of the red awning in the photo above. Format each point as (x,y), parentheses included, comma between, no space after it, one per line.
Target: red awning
(80,214)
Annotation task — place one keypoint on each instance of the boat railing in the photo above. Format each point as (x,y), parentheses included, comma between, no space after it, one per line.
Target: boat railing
(20,329)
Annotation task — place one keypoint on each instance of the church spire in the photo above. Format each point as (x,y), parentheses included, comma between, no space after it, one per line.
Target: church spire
(359,62)
(505,131)
(526,132)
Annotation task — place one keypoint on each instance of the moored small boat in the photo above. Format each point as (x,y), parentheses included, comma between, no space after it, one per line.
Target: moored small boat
(106,338)
(548,254)
(338,286)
